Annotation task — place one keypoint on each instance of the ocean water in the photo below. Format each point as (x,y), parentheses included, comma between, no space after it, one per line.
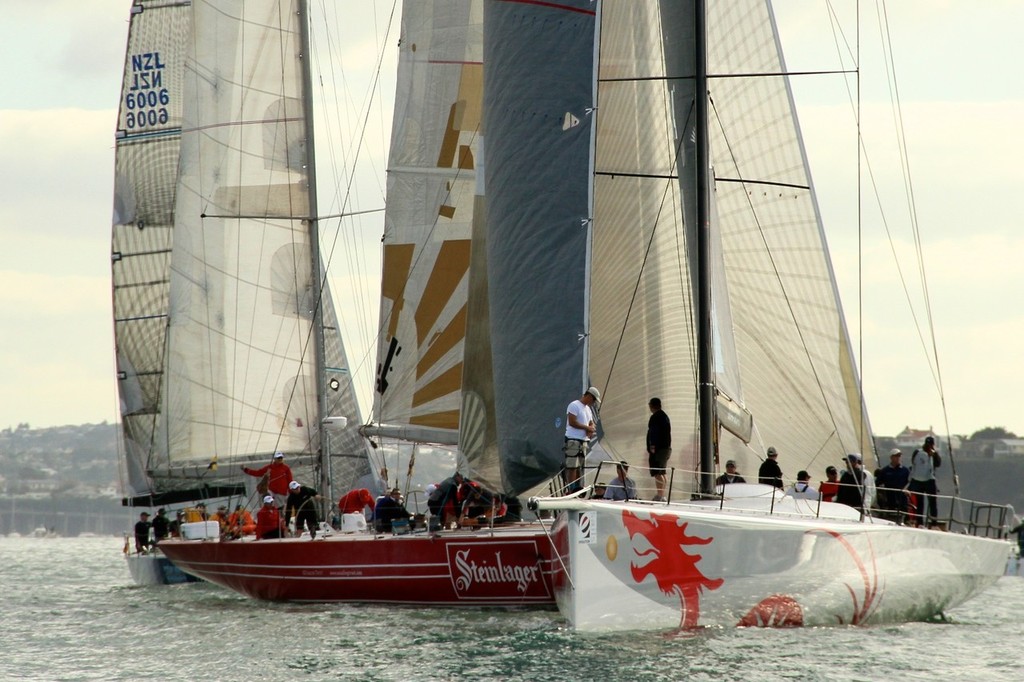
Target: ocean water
(71,612)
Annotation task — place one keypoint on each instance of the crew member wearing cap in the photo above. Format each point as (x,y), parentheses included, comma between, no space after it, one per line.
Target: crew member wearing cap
(302,505)
(161,525)
(892,482)
(802,489)
(389,509)
(240,523)
(659,446)
(142,527)
(923,464)
(856,488)
(622,486)
(269,524)
(580,429)
(355,501)
(279,475)
(730,475)
(221,517)
(770,472)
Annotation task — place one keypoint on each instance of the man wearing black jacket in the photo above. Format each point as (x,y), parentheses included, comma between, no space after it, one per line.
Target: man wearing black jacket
(659,446)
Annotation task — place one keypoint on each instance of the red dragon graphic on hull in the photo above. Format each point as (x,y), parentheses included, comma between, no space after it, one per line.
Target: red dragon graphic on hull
(674,570)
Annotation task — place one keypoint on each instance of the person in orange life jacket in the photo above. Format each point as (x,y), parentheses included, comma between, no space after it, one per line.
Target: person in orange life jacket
(268,520)
(240,523)
(830,488)
(279,475)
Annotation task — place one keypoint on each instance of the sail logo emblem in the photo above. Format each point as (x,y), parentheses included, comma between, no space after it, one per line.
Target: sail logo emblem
(585,534)
(507,569)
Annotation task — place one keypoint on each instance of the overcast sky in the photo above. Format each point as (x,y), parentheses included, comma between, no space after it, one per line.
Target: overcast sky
(962,96)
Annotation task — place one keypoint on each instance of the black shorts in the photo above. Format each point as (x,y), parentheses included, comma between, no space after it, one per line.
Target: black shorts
(657,461)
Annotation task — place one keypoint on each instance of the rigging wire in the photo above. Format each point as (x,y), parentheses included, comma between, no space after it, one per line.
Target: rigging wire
(916,228)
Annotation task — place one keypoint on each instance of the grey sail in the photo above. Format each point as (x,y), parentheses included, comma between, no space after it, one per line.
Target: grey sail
(537,99)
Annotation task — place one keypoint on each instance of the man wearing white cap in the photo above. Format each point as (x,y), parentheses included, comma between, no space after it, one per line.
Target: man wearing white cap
(302,505)
(892,484)
(278,476)
(580,429)
(268,521)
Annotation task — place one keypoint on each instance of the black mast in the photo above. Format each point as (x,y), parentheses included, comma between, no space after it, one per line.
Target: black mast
(705,370)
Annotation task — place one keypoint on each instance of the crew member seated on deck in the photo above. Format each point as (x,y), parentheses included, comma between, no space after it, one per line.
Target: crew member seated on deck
(240,523)
(479,504)
(389,509)
(622,486)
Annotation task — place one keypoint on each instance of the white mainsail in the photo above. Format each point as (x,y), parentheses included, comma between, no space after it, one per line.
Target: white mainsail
(235,372)
(792,349)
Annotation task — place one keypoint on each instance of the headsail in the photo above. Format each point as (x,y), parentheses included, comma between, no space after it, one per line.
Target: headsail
(432,175)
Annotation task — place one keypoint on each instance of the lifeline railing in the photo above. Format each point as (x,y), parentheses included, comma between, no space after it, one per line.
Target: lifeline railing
(971,517)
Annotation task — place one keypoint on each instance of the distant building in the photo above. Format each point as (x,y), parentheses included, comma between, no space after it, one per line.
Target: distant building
(908,439)
(1007,447)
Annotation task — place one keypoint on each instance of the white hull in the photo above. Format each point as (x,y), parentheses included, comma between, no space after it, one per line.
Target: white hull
(155,569)
(644,566)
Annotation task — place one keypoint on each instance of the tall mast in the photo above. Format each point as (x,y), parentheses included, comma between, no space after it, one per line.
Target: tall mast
(705,370)
(314,248)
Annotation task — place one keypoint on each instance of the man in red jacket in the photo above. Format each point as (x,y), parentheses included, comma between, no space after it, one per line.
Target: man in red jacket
(268,521)
(278,478)
(355,501)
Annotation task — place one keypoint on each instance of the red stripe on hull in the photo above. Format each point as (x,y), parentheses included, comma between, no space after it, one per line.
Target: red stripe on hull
(503,568)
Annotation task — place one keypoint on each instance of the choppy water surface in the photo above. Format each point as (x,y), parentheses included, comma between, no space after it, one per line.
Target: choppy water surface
(71,612)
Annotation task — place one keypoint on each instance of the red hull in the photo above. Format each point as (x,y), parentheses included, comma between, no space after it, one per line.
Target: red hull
(509,566)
